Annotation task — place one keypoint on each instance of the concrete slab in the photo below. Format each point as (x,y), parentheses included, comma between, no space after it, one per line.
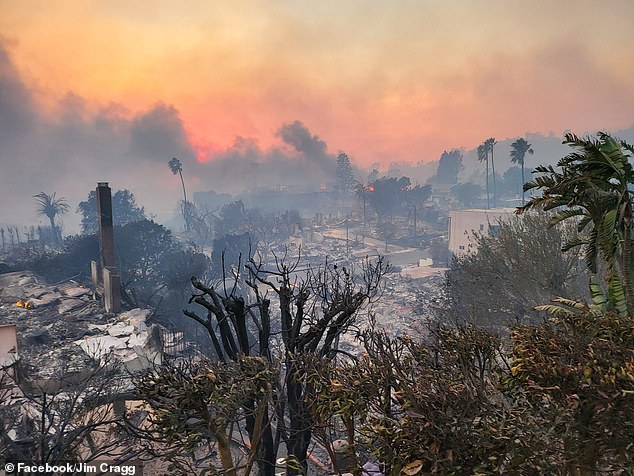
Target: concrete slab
(119,330)
(77,291)
(69,304)
(46,299)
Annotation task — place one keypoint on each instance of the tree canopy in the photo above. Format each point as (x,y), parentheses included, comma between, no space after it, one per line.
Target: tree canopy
(124,210)
(50,207)
(449,166)
(390,196)
(507,275)
(345,176)
(519,149)
(593,187)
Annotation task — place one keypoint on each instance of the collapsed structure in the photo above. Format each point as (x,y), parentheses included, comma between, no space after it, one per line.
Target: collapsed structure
(59,341)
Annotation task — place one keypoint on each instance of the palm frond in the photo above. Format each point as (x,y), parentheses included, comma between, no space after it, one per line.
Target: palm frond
(616,295)
(566,214)
(175,165)
(596,293)
(557,310)
(573,243)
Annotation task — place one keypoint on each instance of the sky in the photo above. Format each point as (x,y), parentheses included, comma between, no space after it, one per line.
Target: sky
(110,90)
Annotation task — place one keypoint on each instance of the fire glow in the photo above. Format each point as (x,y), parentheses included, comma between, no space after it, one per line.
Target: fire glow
(25,304)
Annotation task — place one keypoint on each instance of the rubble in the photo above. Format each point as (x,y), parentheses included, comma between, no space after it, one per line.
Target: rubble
(65,324)
(65,327)
(412,292)
(128,338)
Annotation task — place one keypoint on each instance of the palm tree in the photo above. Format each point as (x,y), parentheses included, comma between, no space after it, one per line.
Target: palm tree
(593,185)
(488,146)
(483,156)
(176,167)
(49,206)
(359,192)
(519,149)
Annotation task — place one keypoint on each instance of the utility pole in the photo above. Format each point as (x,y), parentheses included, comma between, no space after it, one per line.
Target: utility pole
(363,195)
(347,237)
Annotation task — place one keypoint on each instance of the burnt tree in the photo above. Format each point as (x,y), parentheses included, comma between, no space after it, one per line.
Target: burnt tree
(312,309)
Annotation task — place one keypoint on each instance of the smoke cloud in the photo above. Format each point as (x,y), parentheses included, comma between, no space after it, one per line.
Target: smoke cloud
(302,161)
(70,150)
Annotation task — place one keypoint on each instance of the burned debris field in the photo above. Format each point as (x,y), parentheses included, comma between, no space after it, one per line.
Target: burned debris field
(295,238)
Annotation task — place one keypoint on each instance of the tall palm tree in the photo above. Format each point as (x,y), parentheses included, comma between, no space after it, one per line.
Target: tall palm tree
(49,206)
(359,193)
(488,146)
(483,156)
(176,167)
(594,185)
(519,149)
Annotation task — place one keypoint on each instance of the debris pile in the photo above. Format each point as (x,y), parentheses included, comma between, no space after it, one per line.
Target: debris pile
(63,325)
(131,341)
(412,292)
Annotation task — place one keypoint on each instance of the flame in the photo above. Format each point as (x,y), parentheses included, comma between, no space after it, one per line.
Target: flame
(25,304)
(370,188)
(322,186)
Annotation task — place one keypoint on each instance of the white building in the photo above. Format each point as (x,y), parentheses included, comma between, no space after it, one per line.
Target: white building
(464,223)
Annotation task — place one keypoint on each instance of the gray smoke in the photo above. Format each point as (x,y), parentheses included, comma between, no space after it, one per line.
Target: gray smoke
(71,151)
(303,162)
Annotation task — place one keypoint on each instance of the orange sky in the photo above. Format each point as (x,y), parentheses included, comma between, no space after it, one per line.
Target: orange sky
(384,81)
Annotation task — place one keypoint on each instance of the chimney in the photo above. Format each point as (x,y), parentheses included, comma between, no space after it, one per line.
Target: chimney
(110,278)
(106,236)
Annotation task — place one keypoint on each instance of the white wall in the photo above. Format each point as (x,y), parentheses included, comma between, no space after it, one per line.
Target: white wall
(464,223)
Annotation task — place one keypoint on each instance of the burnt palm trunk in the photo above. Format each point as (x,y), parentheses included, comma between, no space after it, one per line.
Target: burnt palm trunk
(185,204)
(299,434)
(54,234)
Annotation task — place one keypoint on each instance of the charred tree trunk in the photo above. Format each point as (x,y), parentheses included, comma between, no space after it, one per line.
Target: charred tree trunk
(55,236)
(260,434)
(301,423)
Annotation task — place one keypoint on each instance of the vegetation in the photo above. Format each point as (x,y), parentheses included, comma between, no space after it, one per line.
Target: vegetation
(508,274)
(345,176)
(519,149)
(592,188)
(449,166)
(50,207)
(502,383)
(176,166)
(153,266)
(196,406)
(556,400)
(485,153)
(466,193)
(70,416)
(124,210)
(313,314)
(390,196)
